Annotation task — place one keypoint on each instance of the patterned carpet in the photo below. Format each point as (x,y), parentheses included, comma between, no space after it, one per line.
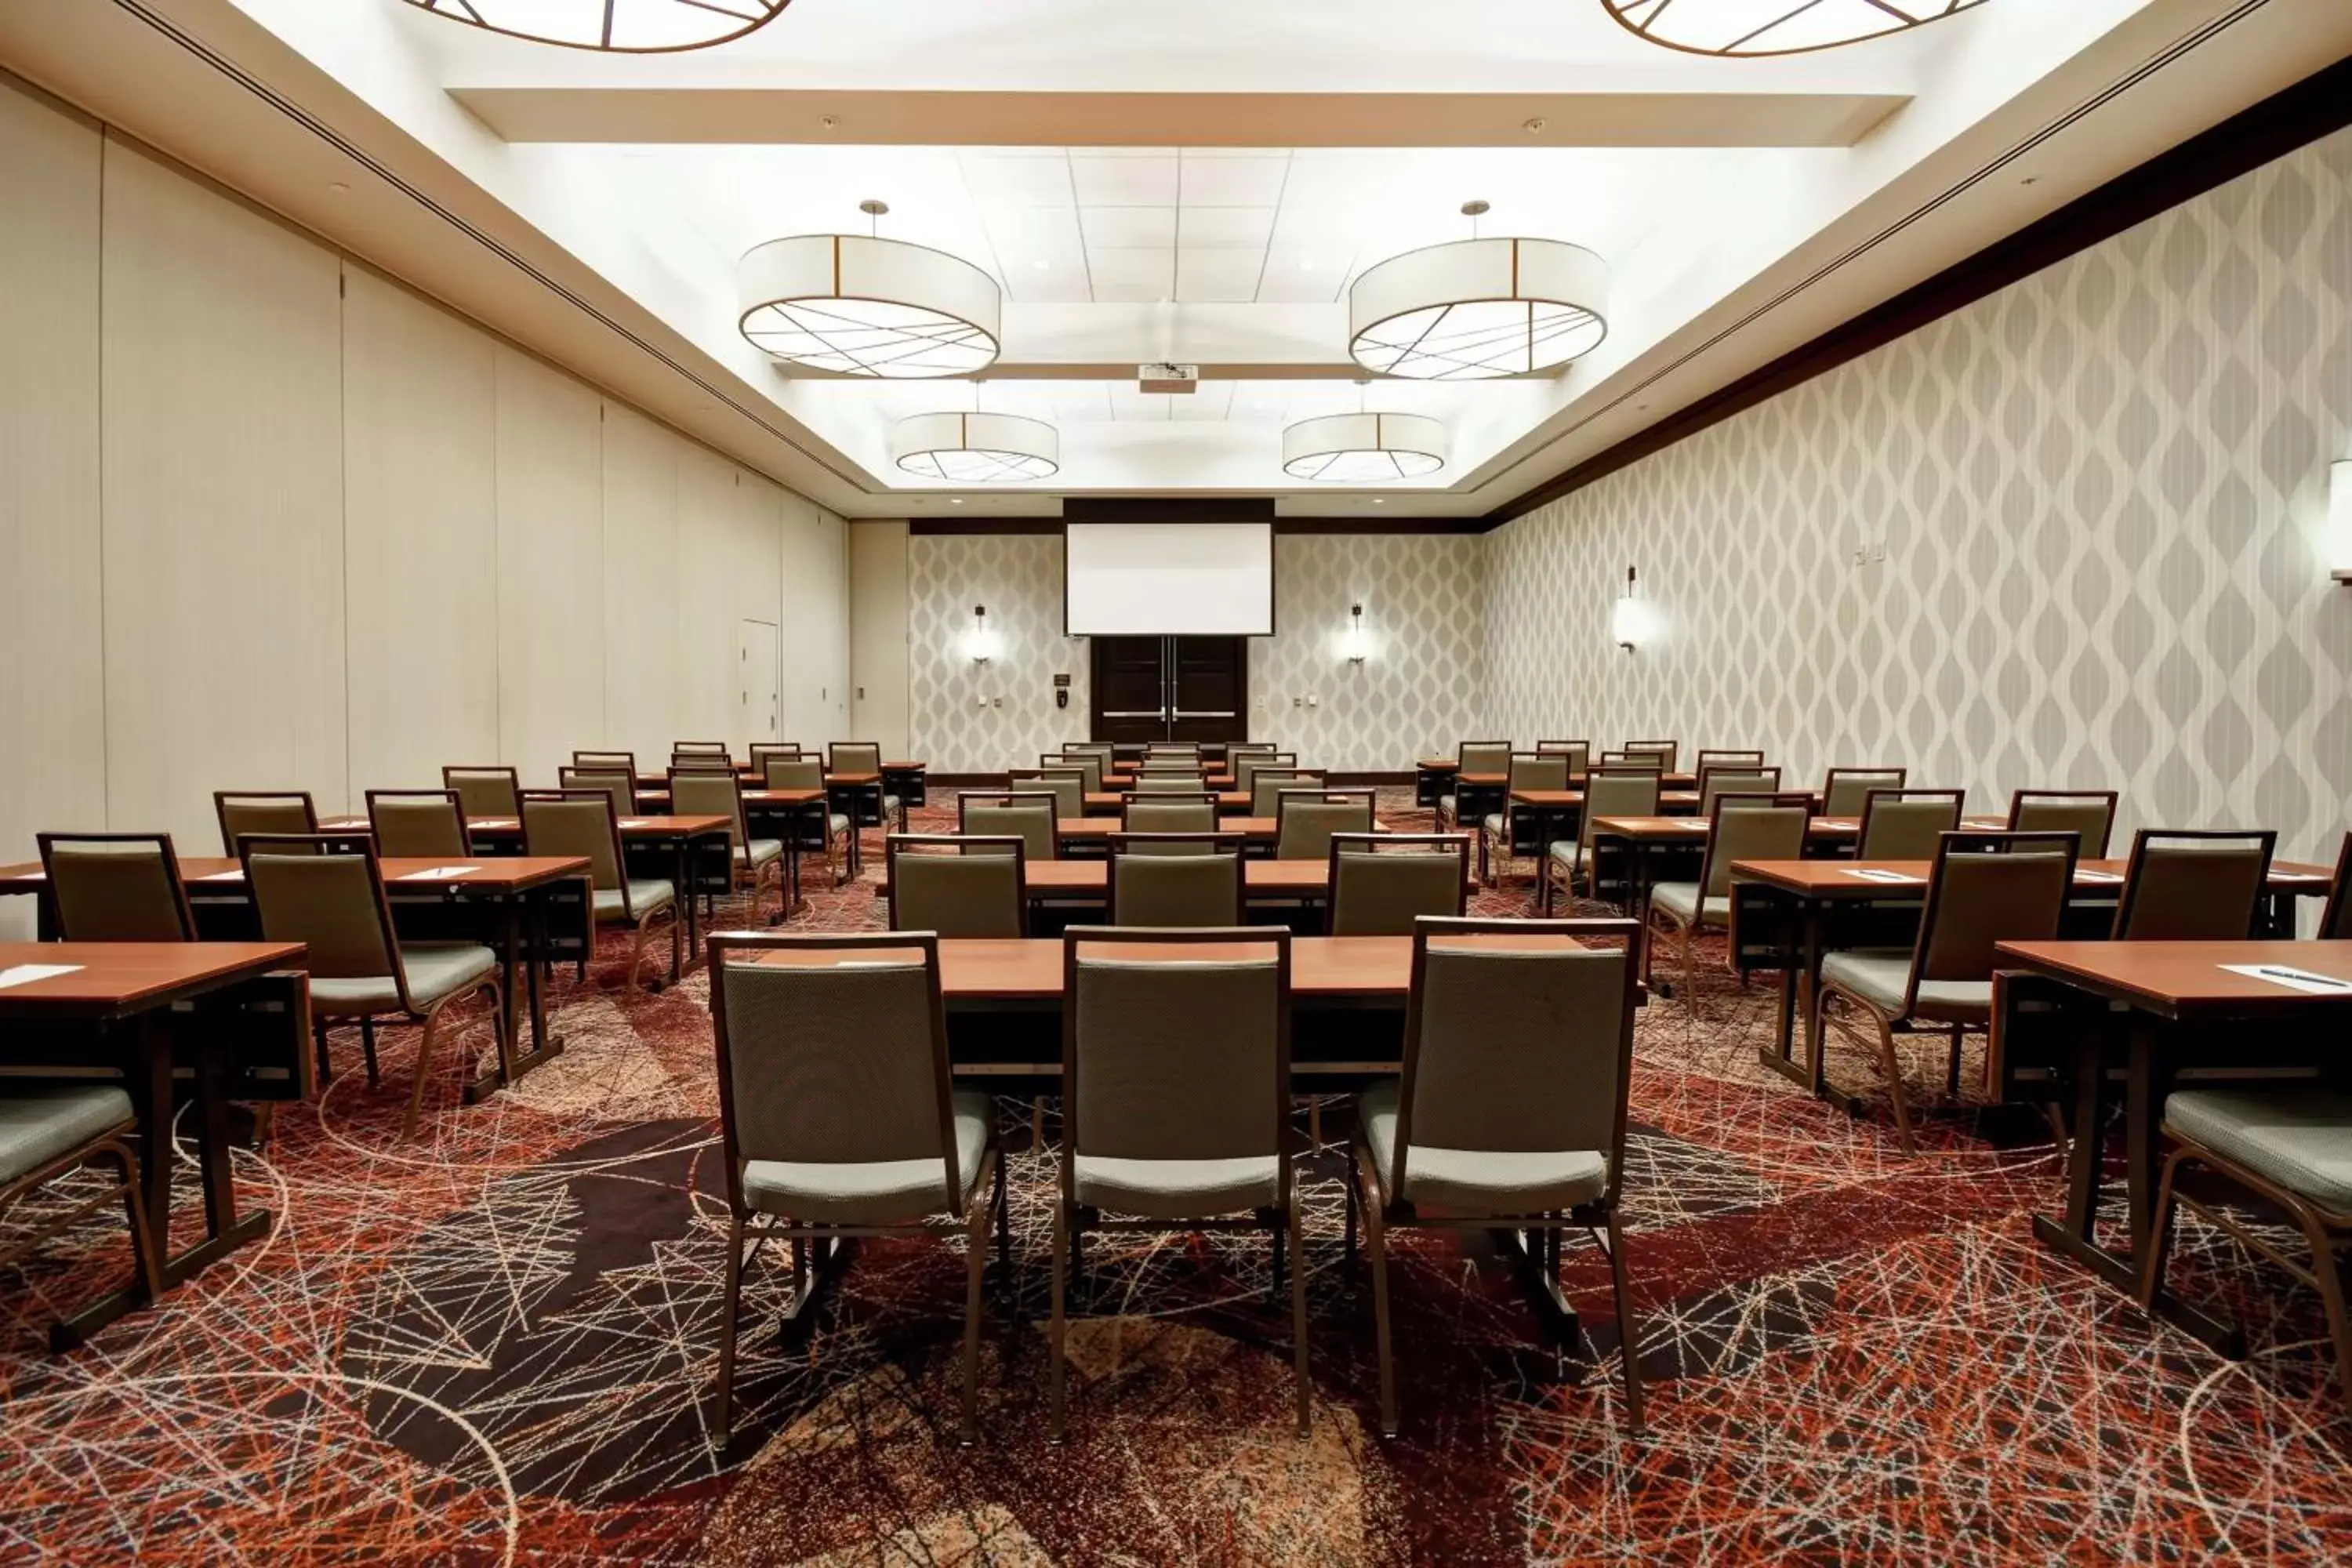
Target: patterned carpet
(493,1346)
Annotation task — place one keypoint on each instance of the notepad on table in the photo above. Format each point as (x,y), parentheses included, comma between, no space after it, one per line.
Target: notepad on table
(438,873)
(633,822)
(2099,876)
(2293,979)
(1880,874)
(26,973)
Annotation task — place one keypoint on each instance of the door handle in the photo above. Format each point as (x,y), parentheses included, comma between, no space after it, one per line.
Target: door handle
(1147,713)
(1226,714)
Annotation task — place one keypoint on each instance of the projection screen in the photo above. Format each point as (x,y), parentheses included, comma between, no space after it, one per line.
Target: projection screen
(1167,579)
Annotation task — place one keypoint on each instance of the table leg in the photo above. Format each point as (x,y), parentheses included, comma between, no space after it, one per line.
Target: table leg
(2145,1082)
(519,961)
(1800,958)
(686,897)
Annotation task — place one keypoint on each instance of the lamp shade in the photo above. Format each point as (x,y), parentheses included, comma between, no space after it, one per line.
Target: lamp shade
(2339,520)
(1773,26)
(861,306)
(1478,308)
(1363,448)
(976,449)
(627,26)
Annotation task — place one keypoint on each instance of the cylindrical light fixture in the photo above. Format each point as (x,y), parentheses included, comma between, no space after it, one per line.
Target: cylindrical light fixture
(1476,309)
(1774,27)
(1629,623)
(976,449)
(863,305)
(641,26)
(1363,448)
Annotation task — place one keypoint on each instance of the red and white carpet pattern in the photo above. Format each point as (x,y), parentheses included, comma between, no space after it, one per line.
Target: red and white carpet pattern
(496,1345)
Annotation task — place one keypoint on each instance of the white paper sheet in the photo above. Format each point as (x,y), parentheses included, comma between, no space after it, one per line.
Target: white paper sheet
(438,873)
(633,822)
(495,822)
(2293,979)
(1880,874)
(26,973)
(2099,876)
(222,877)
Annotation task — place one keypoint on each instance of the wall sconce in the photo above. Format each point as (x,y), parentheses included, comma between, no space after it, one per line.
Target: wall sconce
(2339,520)
(1356,643)
(980,643)
(1630,622)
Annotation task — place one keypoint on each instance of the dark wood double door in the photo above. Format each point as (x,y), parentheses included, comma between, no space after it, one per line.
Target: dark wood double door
(1170,688)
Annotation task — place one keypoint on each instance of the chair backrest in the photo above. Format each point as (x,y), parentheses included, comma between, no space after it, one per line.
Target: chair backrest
(1907,824)
(1188,771)
(1175,879)
(1614,790)
(698,749)
(1483,757)
(1187,782)
(2089,813)
(1382,883)
(1266,784)
(762,750)
(1751,828)
(701,763)
(419,822)
(1102,748)
(2335,919)
(1578,753)
(1306,819)
(1166,1056)
(1240,751)
(1067,785)
(2012,888)
(1664,751)
(1191,749)
(1245,770)
(959,887)
(1029,816)
(833,1062)
(1089,766)
(1718,757)
(1735,779)
(711,793)
(332,900)
(852,757)
(1847,790)
(1538,770)
(1195,813)
(1649,762)
(567,822)
(282,812)
(2202,886)
(485,791)
(116,887)
(1519,1049)
(605,762)
(803,769)
(619,788)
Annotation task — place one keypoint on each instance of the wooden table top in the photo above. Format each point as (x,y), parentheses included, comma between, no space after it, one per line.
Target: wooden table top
(1838,879)
(1112,800)
(1090,829)
(1695,829)
(112,978)
(1091,878)
(401,872)
(2178,979)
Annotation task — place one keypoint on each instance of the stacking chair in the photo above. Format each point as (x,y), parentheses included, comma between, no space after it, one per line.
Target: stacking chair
(618,786)
(2193,886)
(702,762)
(1180,768)
(698,749)
(1753,761)
(754,862)
(762,750)
(1175,879)
(805,771)
(116,887)
(864,757)
(1267,785)
(1578,753)
(274,811)
(1740,827)
(1202,1146)
(1089,766)
(2290,1147)
(2012,890)
(1664,751)
(1304,820)
(1159,815)
(1846,790)
(839,1118)
(47,1132)
(1101,750)
(1185,781)
(1029,816)
(2335,919)
(1067,785)
(1383,882)
(1608,791)
(333,901)
(1240,751)
(1736,778)
(1907,824)
(2090,813)
(1648,761)
(485,791)
(1247,769)
(606,761)
(1511,1112)
(1189,751)
(959,887)
(581,823)
(1500,829)
(1471,757)
(419,822)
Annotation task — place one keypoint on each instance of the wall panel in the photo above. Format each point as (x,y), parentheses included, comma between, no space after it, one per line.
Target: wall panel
(642,573)
(878,625)
(551,562)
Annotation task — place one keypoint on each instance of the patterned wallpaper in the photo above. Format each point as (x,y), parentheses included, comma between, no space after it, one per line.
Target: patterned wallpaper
(2100,496)
(1419,691)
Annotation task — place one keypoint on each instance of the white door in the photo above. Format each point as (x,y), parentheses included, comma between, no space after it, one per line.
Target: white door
(759,713)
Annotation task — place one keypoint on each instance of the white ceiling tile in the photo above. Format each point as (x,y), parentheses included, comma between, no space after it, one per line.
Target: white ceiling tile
(1205,275)
(1082,400)
(1126,404)
(1125,273)
(1019,179)
(1238,182)
(1129,226)
(1302,275)
(1124,182)
(1224,227)
(1211,401)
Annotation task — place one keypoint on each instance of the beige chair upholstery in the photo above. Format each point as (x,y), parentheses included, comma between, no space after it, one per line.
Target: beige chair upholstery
(1195,814)
(485,791)
(48,1131)
(838,1116)
(1186,781)
(757,862)
(1187,881)
(1176,1077)
(606,762)
(1471,757)
(334,903)
(806,772)
(1721,781)
(1266,784)
(958,887)
(1304,820)
(580,823)
(1664,751)
(2091,813)
(2194,886)
(1067,785)
(863,757)
(618,787)
(1749,761)
(1247,769)
(1740,827)
(419,823)
(116,887)
(760,751)
(1578,753)
(1908,823)
(1028,816)
(1646,761)
(1088,767)
(1846,790)
(698,748)
(1528,770)
(1383,883)
(1608,792)
(282,813)
(2013,889)
(1512,1108)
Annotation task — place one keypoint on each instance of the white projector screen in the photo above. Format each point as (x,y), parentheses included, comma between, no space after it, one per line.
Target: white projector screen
(1167,579)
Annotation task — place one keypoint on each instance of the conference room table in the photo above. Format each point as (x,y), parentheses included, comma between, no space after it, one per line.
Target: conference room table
(234,1014)
(1111,802)
(1088,881)
(1095,832)
(1647,840)
(2182,1005)
(1797,897)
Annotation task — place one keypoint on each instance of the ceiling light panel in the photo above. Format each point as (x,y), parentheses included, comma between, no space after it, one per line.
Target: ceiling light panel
(1249,181)
(1205,276)
(1147,182)
(1128,227)
(627,26)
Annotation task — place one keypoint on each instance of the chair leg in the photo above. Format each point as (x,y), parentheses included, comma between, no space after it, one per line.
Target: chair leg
(1061,1270)
(2159,1233)
(423,1064)
(637,942)
(1350,1253)
(1952,1068)
(2328,1275)
(1690,967)
(1892,1068)
(676,945)
(1629,1345)
(727,1312)
(1376,1243)
(1298,1312)
(325,1063)
(143,1257)
(975,1263)
(367,1050)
